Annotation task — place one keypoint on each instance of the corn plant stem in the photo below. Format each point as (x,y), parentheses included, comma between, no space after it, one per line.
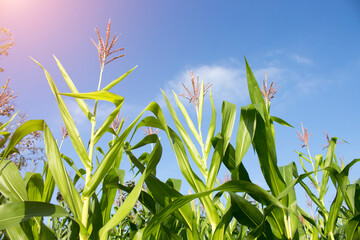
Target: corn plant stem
(316,180)
(315,174)
(287,225)
(62,141)
(86,200)
(317,185)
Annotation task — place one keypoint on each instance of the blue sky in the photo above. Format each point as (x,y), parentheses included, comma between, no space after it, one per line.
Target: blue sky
(310,48)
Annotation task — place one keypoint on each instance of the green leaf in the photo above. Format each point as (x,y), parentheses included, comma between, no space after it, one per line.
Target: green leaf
(116,81)
(254,92)
(8,122)
(15,232)
(237,172)
(341,194)
(228,114)
(280,121)
(69,122)
(4,139)
(109,194)
(34,185)
(73,89)
(174,183)
(108,160)
(164,193)
(60,175)
(186,139)
(246,132)
(98,95)
(25,129)
(131,199)
(49,184)
(264,143)
(201,106)
(230,186)
(287,174)
(352,228)
(96,218)
(106,124)
(264,139)
(327,163)
(245,212)
(181,156)
(15,212)
(212,127)
(188,119)
(11,182)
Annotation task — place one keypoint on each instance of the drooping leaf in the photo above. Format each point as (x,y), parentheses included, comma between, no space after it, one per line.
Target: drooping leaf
(68,121)
(131,199)
(15,212)
(11,182)
(73,89)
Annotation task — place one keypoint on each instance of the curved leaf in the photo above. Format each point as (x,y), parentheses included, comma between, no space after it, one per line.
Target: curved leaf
(73,89)
(11,182)
(230,186)
(116,81)
(16,212)
(68,121)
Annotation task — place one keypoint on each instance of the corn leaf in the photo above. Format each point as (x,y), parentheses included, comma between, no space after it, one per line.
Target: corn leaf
(230,186)
(15,232)
(106,124)
(25,129)
(246,132)
(116,81)
(8,122)
(73,89)
(69,122)
(228,114)
(247,214)
(352,228)
(211,130)
(34,185)
(49,185)
(341,194)
(280,121)
(188,119)
(201,107)
(109,194)
(327,163)
(98,95)
(108,160)
(15,212)
(59,173)
(254,92)
(186,139)
(163,193)
(131,199)
(11,182)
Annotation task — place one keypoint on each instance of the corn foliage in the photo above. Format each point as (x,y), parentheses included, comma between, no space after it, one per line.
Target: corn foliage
(235,209)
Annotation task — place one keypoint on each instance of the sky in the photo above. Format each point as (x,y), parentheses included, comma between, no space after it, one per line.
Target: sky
(309,48)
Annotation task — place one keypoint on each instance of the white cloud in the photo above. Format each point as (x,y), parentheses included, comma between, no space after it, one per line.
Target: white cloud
(301,59)
(228,83)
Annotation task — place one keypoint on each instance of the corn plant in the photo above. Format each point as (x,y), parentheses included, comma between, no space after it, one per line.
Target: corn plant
(234,209)
(275,220)
(341,221)
(91,214)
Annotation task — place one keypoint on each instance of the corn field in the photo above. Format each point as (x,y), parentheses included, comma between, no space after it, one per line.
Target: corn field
(107,207)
